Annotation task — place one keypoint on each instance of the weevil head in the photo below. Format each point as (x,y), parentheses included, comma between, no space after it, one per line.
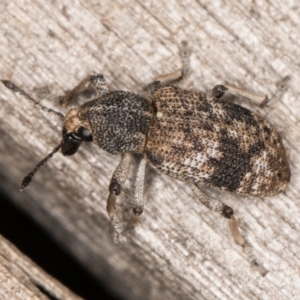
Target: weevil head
(75,131)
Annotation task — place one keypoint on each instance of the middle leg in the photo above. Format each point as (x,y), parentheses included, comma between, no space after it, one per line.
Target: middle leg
(174,77)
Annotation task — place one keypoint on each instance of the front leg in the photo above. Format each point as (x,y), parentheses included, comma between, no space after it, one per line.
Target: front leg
(96,81)
(118,179)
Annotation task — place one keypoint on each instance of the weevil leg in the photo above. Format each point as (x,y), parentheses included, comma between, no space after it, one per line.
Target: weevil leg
(138,203)
(213,204)
(96,81)
(171,78)
(219,90)
(118,179)
(227,212)
(118,230)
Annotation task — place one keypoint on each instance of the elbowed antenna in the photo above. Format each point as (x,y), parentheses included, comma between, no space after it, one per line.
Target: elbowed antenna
(28,178)
(10,85)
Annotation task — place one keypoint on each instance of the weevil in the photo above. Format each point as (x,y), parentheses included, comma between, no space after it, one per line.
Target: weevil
(200,138)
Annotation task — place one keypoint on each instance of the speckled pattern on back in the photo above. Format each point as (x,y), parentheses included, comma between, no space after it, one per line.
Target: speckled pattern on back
(119,121)
(204,140)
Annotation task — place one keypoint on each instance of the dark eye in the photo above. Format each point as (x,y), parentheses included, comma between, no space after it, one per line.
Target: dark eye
(84,134)
(72,141)
(70,144)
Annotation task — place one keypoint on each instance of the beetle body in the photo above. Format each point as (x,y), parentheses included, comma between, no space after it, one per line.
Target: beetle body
(201,139)
(190,136)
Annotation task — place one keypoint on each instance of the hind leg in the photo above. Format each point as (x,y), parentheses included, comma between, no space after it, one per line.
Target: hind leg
(227,212)
(219,90)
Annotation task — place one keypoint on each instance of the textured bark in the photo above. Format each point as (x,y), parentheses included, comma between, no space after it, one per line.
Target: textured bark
(179,250)
(20,278)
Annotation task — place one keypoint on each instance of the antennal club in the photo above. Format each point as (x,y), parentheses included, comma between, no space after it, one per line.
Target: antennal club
(10,85)
(27,179)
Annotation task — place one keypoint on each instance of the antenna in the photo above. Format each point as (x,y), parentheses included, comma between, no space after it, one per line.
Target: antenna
(10,85)
(28,178)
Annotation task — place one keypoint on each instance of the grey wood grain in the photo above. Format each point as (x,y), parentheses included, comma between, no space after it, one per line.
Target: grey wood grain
(180,250)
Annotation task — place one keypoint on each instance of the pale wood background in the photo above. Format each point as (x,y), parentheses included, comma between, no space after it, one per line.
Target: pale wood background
(179,250)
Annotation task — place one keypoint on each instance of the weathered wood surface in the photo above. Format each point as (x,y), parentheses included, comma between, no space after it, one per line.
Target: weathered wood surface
(179,250)
(20,278)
